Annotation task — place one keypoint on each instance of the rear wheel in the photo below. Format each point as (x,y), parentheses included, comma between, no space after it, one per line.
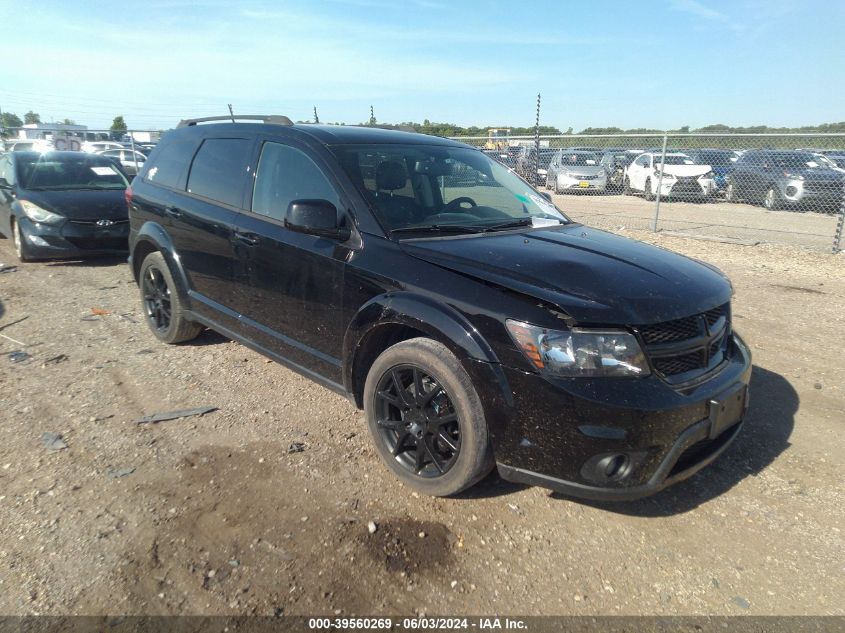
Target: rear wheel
(163,307)
(19,240)
(426,418)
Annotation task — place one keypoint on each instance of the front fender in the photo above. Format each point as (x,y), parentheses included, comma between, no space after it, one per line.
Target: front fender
(152,237)
(437,320)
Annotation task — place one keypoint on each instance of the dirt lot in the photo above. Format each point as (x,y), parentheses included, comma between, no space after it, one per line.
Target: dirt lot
(716,218)
(216,515)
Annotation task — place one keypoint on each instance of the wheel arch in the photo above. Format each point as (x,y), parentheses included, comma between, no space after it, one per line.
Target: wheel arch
(151,238)
(388,319)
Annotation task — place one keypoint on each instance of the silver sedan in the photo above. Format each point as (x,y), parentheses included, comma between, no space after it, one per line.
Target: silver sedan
(576,170)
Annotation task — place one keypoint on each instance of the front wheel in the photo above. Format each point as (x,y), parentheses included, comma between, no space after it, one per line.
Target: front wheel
(730,192)
(163,307)
(647,192)
(626,186)
(426,418)
(19,240)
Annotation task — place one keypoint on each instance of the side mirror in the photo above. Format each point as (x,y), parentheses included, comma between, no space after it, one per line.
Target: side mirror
(546,195)
(4,184)
(315,217)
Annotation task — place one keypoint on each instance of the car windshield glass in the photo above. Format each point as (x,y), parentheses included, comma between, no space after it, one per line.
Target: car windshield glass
(579,159)
(675,159)
(69,171)
(798,161)
(427,186)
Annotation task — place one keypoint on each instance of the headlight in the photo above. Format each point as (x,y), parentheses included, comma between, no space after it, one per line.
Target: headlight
(709,174)
(579,353)
(37,214)
(793,176)
(666,176)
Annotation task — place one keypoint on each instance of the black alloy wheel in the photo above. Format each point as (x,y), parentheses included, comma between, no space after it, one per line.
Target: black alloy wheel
(157,303)
(162,302)
(417,421)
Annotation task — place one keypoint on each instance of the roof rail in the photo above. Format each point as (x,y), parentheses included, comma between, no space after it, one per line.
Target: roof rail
(276,119)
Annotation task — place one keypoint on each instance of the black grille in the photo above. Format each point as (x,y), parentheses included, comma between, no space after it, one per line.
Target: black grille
(678,364)
(695,343)
(94,222)
(671,330)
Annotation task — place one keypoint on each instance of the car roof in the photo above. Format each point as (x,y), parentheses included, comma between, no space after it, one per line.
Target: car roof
(330,134)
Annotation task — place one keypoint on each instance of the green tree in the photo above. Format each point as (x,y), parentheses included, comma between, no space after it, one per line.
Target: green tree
(118,127)
(68,122)
(31,117)
(9,119)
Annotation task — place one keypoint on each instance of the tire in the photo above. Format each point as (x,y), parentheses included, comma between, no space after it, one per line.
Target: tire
(403,430)
(626,186)
(730,192)
(548,183)
(647,192)
(164,309)
(21,247)
(771,199)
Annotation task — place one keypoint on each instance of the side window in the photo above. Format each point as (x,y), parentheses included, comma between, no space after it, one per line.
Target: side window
(219,169)
(285,174)
(171,158)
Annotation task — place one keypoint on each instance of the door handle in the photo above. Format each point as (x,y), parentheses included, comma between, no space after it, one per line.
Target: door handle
(172,212)
(250,239)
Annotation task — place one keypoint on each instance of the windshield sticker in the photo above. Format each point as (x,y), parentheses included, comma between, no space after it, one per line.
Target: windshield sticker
(812,163)
(152,173)
(538,222)
(544,204)
(103,171)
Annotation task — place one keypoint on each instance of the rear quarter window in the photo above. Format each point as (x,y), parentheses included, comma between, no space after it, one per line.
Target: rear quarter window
(168,165)
(219,169)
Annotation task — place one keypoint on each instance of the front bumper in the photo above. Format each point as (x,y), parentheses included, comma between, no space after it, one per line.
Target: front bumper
(74,238)
(553,434)
(680,187)
(592,183)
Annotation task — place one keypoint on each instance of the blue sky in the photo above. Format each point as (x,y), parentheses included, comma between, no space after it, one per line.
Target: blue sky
(658,64)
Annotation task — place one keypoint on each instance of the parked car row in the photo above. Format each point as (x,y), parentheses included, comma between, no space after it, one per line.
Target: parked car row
(424,281)
(777,179)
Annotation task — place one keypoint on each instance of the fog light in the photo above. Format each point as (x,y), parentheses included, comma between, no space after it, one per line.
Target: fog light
(37,241)
(611,467)
(614,466)
(791,191)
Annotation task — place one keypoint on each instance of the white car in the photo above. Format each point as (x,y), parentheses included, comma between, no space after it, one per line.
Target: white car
(95,147)
(681,176)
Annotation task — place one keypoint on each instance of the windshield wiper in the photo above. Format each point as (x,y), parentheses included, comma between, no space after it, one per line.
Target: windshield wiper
(439,228)
(504,226)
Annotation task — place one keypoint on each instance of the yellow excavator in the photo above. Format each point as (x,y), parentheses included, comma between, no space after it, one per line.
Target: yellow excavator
(497,138)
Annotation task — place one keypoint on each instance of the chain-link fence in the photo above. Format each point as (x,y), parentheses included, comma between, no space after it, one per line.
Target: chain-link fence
(787,188)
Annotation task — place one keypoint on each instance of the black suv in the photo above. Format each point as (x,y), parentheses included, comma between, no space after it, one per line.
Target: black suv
(784,179)
(472,321)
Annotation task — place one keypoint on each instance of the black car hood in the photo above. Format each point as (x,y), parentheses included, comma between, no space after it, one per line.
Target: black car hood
(591,275)
(81,205)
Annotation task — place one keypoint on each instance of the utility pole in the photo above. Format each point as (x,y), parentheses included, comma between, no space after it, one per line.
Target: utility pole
(316,118)
(231,113)
(536,179)
(372,116)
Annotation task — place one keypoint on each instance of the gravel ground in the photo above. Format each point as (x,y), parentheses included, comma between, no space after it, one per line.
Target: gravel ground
(224,514)
(715,218)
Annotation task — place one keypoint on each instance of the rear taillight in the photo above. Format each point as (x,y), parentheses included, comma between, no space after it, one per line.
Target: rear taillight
(128,196)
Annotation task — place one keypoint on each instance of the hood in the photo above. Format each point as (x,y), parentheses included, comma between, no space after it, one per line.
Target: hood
(81,205)
(593,276)
(821,175)
(687,170)
(582,170)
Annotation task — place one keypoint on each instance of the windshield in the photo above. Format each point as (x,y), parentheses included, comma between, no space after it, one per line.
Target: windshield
(798,160)
(579,159)
(675,159)
(74,170)
(427,186)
